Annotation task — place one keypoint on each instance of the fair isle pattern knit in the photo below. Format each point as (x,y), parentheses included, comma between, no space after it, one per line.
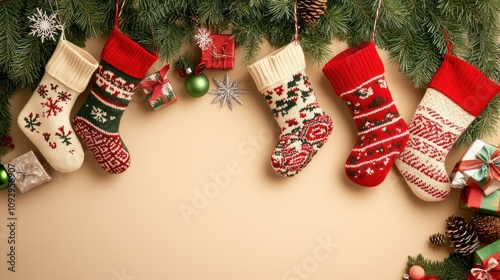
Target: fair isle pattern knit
(305,127)
(456,95)
(97,122)
(382,132)
(45,119)
(357,76)
(434,128)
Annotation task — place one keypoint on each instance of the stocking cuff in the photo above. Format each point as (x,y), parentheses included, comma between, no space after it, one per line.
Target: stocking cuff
(71,65)
(278,66)
(464,84)
(353,67)
(126,55)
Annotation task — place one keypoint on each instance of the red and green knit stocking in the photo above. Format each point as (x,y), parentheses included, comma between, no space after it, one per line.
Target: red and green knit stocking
(305,127)
(123,64)
(357,76)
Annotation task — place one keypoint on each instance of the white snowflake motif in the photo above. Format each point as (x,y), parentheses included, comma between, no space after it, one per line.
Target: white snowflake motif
(44,26)
(382,83)
(98,114)
(227,92)
(369,171)
(365,93)
(203,39)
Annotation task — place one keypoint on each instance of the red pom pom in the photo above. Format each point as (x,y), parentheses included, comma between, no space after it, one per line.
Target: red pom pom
(182,72)
(416,273)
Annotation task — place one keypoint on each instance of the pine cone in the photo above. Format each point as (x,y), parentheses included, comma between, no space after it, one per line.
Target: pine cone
(311,10)
(486,226)
(462,236)
(438,239)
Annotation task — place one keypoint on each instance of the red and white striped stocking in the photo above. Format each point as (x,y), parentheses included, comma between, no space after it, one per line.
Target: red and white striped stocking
(456,95)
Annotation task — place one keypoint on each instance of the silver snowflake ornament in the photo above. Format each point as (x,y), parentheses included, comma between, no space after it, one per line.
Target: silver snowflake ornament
(203,39)
(227,92)
(44,26)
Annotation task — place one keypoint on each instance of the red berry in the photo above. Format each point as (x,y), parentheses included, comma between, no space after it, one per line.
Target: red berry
(430,278)
(182,72)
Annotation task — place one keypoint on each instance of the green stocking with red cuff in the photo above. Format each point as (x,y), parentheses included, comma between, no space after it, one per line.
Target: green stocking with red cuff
(124,63)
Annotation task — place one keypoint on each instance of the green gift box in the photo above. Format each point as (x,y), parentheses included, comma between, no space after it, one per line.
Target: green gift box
(486,262)
(473,198)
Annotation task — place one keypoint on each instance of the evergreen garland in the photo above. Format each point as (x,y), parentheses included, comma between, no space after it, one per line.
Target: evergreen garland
(411,30)
(454,267)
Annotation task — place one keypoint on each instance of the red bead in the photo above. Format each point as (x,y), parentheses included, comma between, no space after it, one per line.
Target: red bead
(430,278)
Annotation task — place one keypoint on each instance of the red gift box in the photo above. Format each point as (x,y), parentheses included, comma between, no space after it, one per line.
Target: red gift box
(473,198)
(220,53)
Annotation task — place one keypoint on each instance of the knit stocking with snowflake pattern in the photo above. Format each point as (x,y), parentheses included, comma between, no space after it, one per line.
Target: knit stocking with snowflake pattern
(123,64)
(456,95)
(357,76)
(305,127)
(45,119)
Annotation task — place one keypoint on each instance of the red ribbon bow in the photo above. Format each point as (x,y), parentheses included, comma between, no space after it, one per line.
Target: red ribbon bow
(156,85)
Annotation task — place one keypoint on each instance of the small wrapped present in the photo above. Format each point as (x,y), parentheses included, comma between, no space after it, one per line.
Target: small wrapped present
(158,89)
(486,261)
(219,54)
(473,198)
(29,172)
(481,165)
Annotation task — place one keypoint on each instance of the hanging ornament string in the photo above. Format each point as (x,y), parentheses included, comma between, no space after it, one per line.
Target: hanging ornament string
(118,12)
(296,21)
(376,19)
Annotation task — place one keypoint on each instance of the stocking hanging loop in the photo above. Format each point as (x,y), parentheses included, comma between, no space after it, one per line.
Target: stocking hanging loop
(448,42)
(296,22)
(118,12)
(376,19)
(58,18)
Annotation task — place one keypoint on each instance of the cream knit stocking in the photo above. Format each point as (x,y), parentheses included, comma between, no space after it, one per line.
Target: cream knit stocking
(455,97)
(305,127)
(45,118)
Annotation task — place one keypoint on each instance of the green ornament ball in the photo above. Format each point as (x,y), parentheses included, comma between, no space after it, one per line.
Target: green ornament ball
(4,178)
(197,85)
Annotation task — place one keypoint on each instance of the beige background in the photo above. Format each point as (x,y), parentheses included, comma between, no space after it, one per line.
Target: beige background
(93,225)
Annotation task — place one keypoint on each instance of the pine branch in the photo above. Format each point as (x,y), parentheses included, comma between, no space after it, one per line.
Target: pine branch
(29,61)
(91,16)
(454,267)
(7,91)
(10,13)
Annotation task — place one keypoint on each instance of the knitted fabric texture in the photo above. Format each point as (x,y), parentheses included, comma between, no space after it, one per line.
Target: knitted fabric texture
(123,64)
(305,127)
(454,98)
(45,119)
(357,76)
